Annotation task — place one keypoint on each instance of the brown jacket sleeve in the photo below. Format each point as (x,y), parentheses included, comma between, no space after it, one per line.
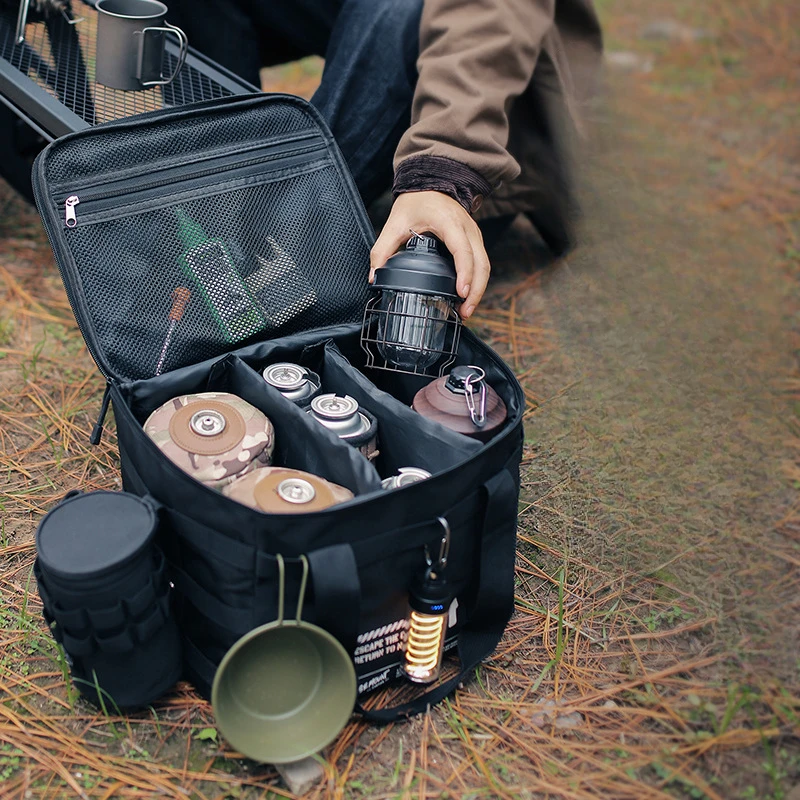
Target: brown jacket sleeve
(476,58)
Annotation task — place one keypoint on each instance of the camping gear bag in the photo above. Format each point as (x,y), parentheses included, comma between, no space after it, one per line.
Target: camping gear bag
(241,214)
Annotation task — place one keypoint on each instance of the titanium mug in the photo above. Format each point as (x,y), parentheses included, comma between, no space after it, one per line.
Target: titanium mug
(130,44)
(285,689)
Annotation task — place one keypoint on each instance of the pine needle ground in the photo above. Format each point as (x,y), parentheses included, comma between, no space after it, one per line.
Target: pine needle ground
(653,650)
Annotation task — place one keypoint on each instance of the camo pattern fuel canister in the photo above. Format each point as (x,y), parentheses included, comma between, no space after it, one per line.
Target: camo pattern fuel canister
(216,437)
(277,490)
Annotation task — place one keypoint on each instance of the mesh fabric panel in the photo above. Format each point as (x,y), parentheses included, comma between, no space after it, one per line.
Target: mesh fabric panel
(103,156)
(279,249)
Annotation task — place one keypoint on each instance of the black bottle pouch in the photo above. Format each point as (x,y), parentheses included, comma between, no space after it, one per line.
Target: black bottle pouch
(105,592)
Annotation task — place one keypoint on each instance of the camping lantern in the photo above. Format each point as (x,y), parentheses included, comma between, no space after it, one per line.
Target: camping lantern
(411,322)
(429,601)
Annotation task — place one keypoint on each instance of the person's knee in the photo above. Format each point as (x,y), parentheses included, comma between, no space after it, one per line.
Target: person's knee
(392,20)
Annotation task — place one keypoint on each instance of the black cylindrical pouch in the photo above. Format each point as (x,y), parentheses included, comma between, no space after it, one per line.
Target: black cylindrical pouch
(105,593)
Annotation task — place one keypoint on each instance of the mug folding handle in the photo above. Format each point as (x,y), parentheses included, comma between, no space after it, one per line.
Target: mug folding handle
(182,53)
(282,589)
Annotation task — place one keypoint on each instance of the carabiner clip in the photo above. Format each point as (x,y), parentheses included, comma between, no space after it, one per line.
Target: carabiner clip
(444,547)
(477,415)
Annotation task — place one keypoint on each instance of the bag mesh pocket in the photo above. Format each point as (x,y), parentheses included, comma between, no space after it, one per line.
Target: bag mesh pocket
(251,271)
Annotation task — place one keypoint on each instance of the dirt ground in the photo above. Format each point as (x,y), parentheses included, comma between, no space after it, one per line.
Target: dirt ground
(654,649)
(672,324)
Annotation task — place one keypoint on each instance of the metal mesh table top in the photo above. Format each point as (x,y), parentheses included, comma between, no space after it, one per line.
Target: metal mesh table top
(59,57)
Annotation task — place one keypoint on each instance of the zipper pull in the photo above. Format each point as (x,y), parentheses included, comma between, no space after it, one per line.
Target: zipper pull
(71,220)
(97,431)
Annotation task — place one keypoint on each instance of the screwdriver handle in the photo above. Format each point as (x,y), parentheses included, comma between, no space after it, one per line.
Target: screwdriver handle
(180,299)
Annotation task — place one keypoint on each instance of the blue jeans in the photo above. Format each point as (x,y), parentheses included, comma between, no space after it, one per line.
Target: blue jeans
(370,49)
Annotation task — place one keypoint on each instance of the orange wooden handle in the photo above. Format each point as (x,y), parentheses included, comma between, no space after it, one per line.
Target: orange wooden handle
(180,299)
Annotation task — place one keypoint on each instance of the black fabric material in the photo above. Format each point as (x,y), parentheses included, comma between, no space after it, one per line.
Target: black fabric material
(134,677)
(219,545)
(226,585)
(263,176)
(95,545)
(337,592)
(494,603)
(125,655)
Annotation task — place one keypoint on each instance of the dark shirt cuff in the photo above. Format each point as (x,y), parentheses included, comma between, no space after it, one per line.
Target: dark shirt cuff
(440,174)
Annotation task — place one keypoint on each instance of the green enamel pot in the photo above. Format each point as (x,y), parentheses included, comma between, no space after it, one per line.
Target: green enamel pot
(285,689)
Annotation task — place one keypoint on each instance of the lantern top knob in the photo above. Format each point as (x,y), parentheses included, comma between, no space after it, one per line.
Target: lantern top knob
(422,243)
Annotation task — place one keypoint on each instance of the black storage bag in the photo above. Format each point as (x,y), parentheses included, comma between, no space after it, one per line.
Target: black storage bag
(262,180)
(105,594)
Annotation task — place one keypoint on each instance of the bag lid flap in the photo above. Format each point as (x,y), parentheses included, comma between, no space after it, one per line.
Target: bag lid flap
(185,233)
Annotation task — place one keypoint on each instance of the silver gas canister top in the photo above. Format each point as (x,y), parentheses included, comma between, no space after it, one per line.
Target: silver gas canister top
(339,413)
(207,422)
(405,476)
(285,376)
(334,406)
(294,382)
(296,490)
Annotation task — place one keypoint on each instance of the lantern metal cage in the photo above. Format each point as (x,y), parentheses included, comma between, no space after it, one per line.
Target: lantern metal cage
(405,338)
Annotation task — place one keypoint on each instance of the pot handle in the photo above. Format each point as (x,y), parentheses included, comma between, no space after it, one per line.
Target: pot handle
(302,595)
(282,588)
(281,585)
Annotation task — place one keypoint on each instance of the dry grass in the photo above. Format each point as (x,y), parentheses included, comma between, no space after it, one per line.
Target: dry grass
(634,707)
(606,684)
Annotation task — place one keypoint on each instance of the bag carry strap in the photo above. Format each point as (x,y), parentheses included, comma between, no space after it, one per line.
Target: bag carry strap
(336,601)
(493,605)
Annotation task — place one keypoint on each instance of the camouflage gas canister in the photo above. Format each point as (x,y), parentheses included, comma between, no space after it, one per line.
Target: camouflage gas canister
(279,490)
(215,437)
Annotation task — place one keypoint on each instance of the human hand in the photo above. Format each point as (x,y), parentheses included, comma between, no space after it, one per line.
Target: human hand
(446,219)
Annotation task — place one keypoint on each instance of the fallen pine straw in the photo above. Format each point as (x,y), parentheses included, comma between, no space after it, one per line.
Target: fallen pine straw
(622,715)
(603,686)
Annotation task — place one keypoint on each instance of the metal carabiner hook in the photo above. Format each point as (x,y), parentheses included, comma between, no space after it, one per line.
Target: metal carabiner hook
(444,547)
(477,415)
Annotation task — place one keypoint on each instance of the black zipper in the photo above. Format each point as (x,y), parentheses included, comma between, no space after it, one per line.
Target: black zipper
(140,188)
(104,180)
(79,308)
(97,431)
